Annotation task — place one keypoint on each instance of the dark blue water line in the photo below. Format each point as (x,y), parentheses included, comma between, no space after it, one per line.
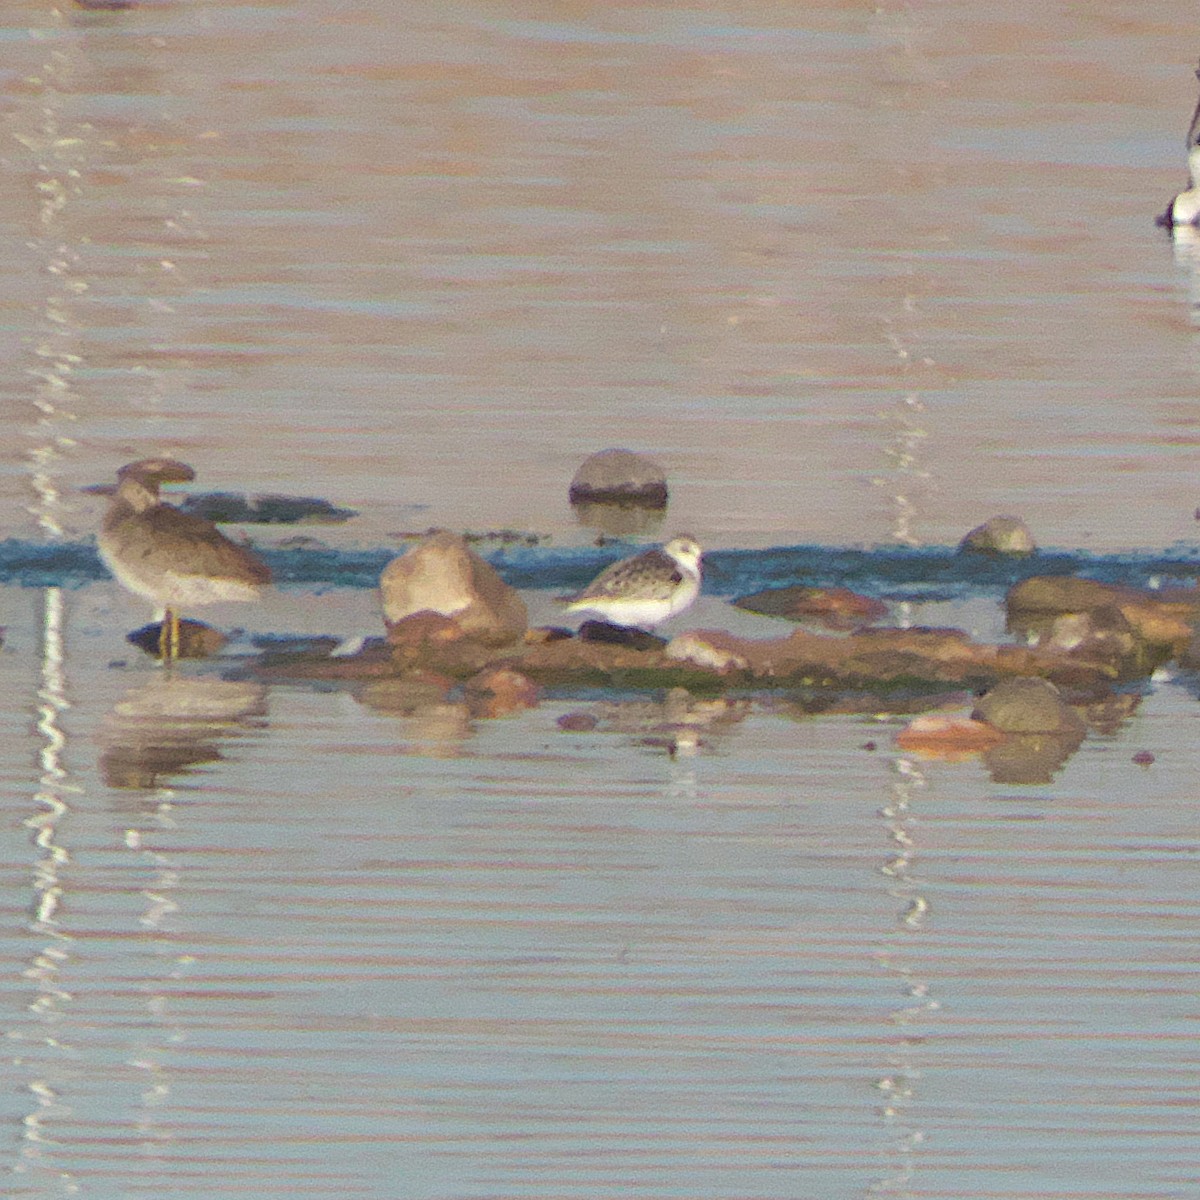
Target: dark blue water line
(888,571)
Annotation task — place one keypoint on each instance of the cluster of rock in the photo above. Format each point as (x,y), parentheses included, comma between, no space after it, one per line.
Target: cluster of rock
(454,626)
(458,640)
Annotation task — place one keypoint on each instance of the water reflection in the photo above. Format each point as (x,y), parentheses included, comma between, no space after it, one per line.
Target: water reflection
(619,520)
(1185,240)
(902,1069)
(1030,758)
(43,1048)
(434,725)
(680,723)
(160,729)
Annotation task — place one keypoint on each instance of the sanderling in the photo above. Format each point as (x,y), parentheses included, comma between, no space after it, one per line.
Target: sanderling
(643,590)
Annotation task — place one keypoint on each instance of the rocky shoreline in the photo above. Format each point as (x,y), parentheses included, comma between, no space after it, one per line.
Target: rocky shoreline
(1083,654)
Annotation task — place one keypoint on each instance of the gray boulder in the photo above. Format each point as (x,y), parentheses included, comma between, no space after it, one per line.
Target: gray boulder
(620,477)
(1000,535)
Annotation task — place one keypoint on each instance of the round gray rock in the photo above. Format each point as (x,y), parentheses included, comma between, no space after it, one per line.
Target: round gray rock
(620,477)
(1000,535)
(1028,705)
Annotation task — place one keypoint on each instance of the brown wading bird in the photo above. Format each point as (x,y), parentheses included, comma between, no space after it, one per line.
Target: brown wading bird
(174,559)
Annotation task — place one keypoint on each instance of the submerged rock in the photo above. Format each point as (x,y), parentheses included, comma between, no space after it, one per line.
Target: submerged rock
(1159,621)
(948,737)
(442,575)
(577,722)
(1000,536)
(680,723)
(268,509)
(407,695)
(870,663)
(1024,729)
(1028,705)
(620,635)
(499,691)
(620,477)
(836,608)
(196,639)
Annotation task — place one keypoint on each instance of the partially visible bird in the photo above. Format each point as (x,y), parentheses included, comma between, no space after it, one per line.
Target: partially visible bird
(172,558)
(646,589)
(1185,208)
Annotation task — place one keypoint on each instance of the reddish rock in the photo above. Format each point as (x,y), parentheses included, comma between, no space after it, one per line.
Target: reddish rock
(948,737)
(870,662)
(429,641)
(424,630)
(577,722)
(498,691)
(837,608)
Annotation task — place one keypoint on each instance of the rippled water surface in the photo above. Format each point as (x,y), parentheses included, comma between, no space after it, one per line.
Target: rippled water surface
(859,277)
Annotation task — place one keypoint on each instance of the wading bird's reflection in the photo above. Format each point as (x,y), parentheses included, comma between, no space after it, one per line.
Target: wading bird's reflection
(163,727)
(680,723)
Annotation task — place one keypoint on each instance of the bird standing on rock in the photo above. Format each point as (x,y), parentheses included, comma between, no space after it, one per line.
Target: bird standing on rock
(173,558)
(646,589)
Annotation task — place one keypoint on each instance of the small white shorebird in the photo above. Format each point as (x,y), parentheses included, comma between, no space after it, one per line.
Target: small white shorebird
(174,559)
(1185,208)
(646,589)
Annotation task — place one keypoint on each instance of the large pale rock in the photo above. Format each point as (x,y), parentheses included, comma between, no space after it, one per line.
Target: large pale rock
(705,651)
(443,575)
(620,477)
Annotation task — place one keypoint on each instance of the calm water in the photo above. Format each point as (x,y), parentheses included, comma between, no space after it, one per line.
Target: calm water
(857,276)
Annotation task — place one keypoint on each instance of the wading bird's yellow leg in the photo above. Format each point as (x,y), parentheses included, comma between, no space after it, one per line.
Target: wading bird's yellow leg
(168,637)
